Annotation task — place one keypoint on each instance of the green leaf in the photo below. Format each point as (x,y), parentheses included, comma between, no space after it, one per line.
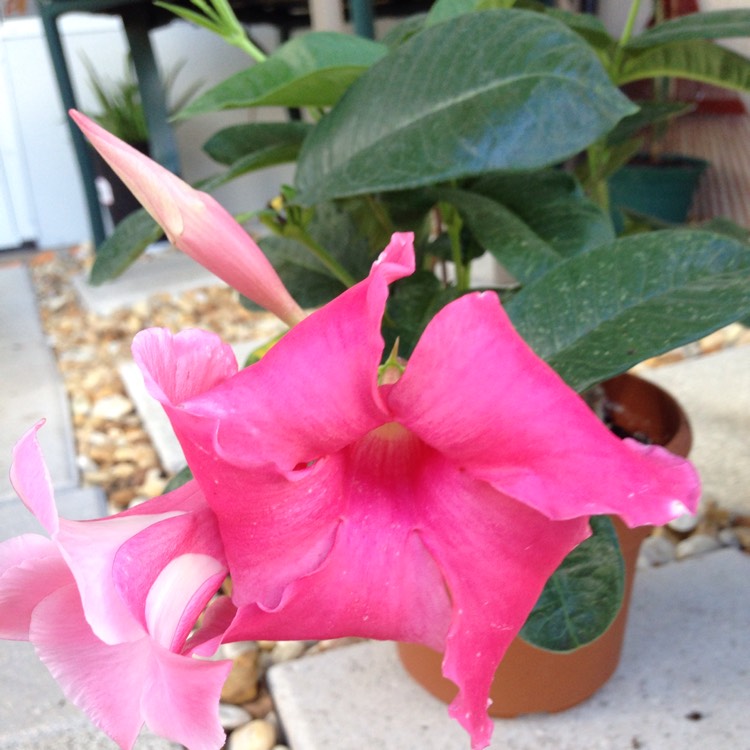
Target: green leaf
(501,232)
(303,275)
(183,476)
(587,26)
(650,113)
(254,140)
(599,313)
(507,89)
(398,34)
(446,10)
(697,61)
(312,70)
(583,596)
(334,227)
(721,24)
(124,246)
(554,206)
(412,303)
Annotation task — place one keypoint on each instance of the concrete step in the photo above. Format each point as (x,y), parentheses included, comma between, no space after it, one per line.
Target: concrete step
(682,682)
(31,386)
(167,271)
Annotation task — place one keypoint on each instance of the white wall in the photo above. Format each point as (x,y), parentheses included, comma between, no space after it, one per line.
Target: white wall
(51,187)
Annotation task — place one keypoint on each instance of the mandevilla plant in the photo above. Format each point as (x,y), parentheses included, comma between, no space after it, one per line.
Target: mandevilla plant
(391,467)
(426,500)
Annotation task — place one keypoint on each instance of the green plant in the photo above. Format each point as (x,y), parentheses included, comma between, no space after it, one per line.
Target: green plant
(460,126)
(120,109)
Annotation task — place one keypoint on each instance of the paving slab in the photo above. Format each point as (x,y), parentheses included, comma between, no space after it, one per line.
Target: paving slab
(31,387)
(714,390)
(167,271)
(76,504)
(682,682)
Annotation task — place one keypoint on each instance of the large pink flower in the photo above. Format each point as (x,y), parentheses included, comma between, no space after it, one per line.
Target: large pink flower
(429,509)
(109,605)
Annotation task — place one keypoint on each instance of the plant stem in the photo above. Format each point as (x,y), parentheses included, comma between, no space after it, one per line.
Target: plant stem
(627,32)
(454,224)
(299,234)
(597,187)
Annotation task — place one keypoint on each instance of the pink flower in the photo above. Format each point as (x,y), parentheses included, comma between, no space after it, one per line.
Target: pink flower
(195,223)
(431,509)
(109,605)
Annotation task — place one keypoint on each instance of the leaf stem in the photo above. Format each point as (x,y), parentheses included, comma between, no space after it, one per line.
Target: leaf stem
(454,223)
(299,234)
(627,32)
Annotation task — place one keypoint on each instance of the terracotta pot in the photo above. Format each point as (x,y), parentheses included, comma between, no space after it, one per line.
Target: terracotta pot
(529,679)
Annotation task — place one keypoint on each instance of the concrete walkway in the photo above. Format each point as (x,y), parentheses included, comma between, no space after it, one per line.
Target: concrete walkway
(687,651)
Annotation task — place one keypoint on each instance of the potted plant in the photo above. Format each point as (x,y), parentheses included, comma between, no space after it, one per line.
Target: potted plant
(410,461)
(630,170)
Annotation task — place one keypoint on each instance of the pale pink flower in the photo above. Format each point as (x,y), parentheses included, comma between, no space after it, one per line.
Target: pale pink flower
(431,509)
(109,605)
(195,223)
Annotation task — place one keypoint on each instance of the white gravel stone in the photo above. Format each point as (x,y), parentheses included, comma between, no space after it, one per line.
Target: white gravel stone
(232,717)
(683,524)
(112,407)
(235,649)
(698,544)
(287,650)
(657,550)
(255,735)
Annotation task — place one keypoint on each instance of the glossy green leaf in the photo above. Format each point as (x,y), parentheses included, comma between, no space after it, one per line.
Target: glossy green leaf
(124,246)
(583,596)
(650,113)
(412,303)
(599,313)
(720,24)
(706,62)
(305,278)
(446,10)
(517,90)
(312,70)
(254,140)
(504,234)
(553,206)
(335,228)
(587,26)
(183,476)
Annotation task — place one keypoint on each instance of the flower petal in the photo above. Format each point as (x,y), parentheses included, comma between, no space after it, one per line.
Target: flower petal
(89,548)
(17,550)
(181,699)
(312,394)
(195,223)
(378,581)
(104,681)
(27,582)
(424,553)
(475,391)
(264,414)
(203,358)
(178,596)
(141,559)
(496,554)
(30,479)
